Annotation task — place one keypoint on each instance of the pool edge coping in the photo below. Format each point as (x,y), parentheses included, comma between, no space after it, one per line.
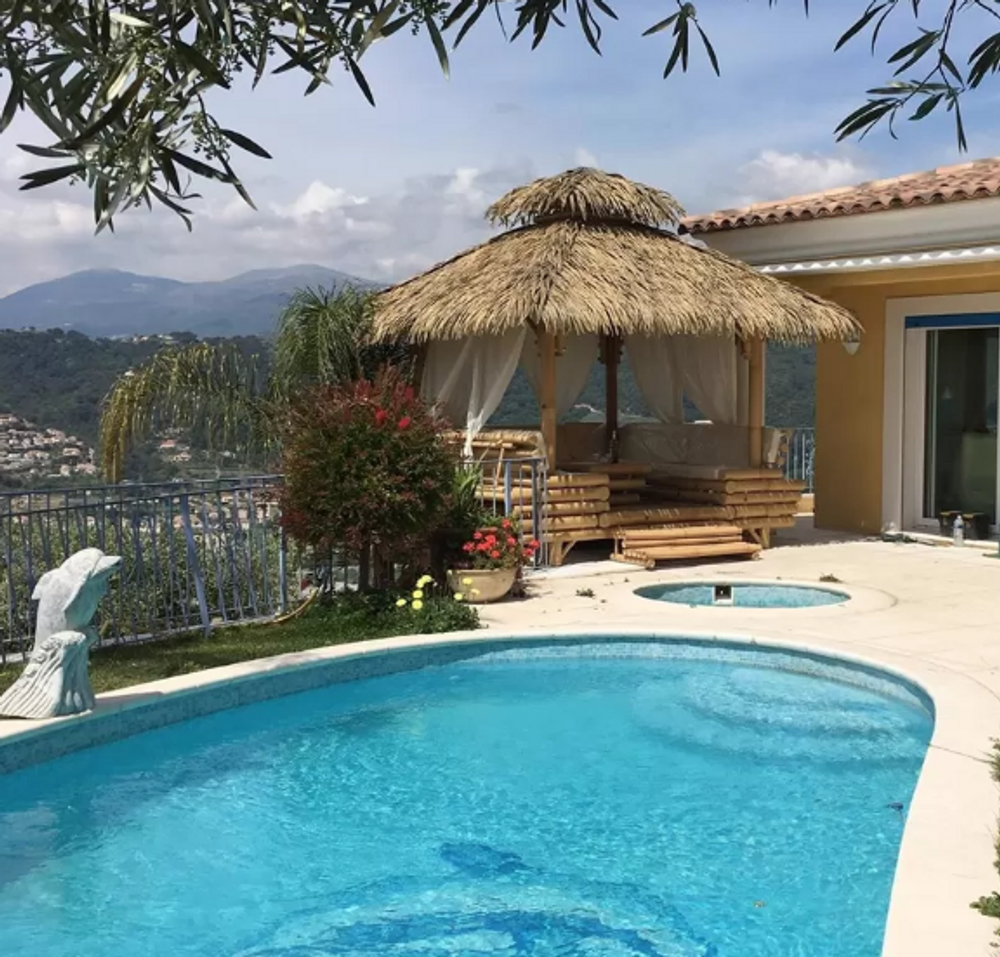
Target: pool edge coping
(935,881)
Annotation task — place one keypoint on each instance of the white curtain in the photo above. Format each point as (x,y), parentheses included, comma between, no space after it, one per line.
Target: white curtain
(579,353)
(656,364)
(467,378)
(709,376)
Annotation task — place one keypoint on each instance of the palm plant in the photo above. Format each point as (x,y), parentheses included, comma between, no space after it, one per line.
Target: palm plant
(322,337)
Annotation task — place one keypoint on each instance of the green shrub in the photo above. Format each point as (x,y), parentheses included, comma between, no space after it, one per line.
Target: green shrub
(387,612)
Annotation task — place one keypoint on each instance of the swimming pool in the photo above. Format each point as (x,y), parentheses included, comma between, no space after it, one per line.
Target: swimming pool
(744,594)
(664,800)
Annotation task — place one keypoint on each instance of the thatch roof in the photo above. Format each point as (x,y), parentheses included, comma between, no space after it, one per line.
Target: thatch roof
(589,258)
(586,195)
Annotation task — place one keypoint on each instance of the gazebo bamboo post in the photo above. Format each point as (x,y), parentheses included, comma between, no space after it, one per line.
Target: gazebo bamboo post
(419,362)
(756,403)
(756,417)
(611,349)
(547,397)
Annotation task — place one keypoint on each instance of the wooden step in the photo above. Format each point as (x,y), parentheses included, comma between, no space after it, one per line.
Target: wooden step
(663,515)
(626,484)
(691,552)
(611,468)
(703,496)
(621,499)
(679,532)
(563,508)
(521,495)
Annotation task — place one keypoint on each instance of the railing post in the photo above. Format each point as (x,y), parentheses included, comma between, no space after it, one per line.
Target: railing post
(283,571)
(193,564)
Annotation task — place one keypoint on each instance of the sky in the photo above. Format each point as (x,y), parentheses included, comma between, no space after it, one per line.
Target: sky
(386,192)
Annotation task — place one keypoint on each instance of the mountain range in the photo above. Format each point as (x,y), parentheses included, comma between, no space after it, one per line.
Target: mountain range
(110,302)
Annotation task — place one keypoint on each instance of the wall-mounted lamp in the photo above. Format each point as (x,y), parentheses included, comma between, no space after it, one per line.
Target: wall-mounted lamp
(851,346)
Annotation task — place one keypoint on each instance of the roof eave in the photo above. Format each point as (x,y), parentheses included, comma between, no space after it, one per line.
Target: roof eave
(887,233)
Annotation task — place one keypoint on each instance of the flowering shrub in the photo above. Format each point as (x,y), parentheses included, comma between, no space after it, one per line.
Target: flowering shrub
(365,471)
(425,588)
(434,612)
(499,545)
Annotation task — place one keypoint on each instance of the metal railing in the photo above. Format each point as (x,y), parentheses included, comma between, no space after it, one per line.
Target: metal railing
(513,487)
(194,554)
(800,460)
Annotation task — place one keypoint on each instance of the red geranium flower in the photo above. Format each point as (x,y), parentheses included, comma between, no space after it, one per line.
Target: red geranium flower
(380,416)
(477,536)
(404,423)
(511,541)
(494,554)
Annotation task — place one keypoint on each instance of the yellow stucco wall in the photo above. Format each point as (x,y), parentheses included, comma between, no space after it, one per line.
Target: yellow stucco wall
(849,389)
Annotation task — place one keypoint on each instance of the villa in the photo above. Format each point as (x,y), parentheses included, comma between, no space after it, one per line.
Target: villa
(906,420)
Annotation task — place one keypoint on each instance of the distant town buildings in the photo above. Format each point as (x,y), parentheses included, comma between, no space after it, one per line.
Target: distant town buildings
(27,451)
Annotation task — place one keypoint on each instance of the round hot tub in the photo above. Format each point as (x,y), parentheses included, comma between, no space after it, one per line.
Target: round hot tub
(743,594)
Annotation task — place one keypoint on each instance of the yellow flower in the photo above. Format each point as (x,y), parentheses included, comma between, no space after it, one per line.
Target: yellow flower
(418,593)
(466,581)
(424,580)
(401,603)
(459,596)
(475,591)
(417,605)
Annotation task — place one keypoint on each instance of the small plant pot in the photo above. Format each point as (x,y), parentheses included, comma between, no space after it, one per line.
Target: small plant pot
(485,584)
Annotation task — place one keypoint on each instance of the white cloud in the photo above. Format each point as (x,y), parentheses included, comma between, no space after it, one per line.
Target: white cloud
(776,175)
(583,157)
(386,236)
(319,199)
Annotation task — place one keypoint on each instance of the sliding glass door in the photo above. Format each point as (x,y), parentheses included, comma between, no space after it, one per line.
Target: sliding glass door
(954,379)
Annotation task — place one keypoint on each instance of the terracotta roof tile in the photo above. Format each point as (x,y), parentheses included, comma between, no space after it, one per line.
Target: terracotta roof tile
(979,179)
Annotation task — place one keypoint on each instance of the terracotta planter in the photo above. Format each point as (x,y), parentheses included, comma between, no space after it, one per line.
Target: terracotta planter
(486,584)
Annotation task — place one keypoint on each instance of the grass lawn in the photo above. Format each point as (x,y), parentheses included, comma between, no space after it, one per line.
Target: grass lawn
(339,623)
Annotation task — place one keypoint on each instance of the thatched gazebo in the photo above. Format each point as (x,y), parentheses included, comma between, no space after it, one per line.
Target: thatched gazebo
(591,261)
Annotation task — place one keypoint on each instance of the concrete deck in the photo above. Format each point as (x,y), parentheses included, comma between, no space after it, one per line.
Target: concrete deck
(929,613)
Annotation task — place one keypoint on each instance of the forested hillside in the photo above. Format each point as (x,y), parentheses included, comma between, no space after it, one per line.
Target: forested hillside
(57,379)
(790,402)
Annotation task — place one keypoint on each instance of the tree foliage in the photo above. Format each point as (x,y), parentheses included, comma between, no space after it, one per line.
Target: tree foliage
(232,397)
(365,469)
(122,85)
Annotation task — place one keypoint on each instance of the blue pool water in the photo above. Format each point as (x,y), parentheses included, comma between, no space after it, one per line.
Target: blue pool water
(599,801)
(745,595)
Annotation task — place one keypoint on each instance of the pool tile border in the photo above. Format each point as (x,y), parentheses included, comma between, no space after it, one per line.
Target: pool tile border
(147,707)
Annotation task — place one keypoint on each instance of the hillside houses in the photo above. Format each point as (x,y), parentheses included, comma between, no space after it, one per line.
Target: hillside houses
(27,451)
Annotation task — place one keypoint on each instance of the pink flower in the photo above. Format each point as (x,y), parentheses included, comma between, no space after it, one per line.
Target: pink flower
(494,554)
(511,541)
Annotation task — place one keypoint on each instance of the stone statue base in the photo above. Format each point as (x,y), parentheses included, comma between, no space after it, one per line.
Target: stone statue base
(55,682)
